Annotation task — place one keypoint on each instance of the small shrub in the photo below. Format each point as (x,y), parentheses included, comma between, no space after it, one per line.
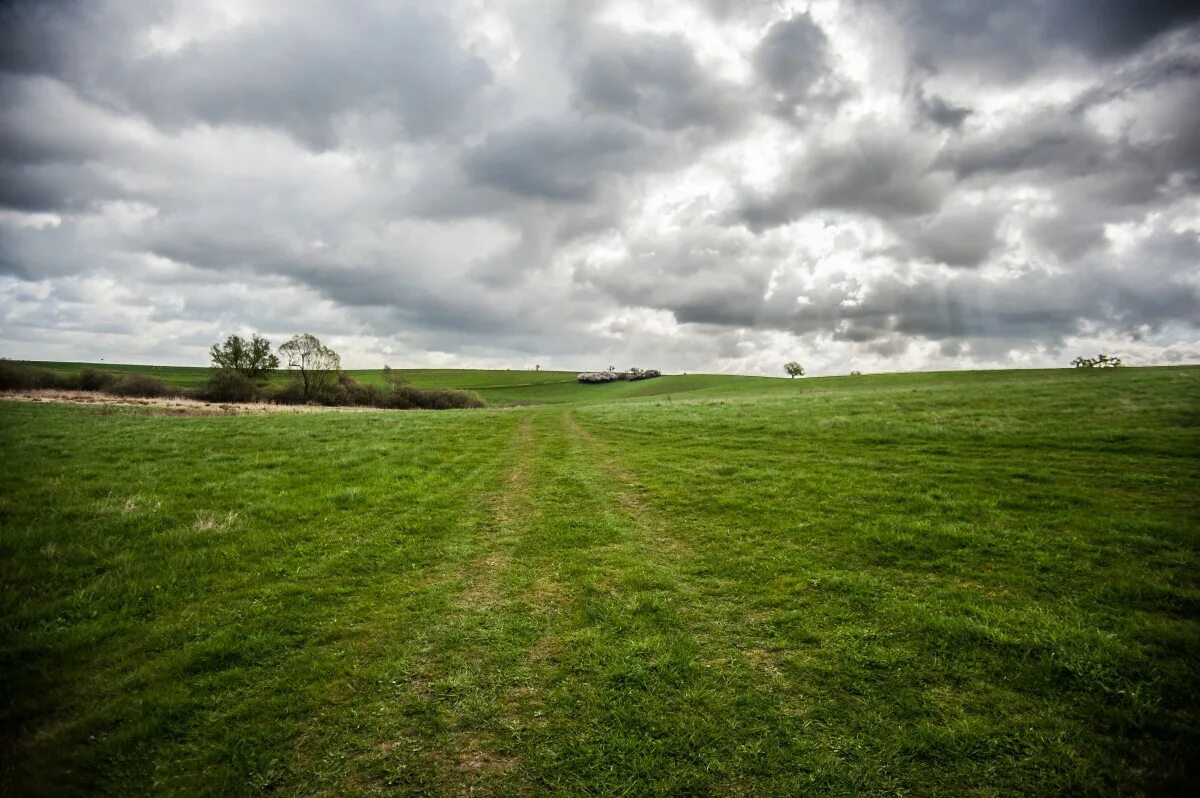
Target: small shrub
(290,393)
(226,385)
(95,380)
(1098,362)
(408,397)
(142,385)
(402,396)
(23,377)
(450,399)
(350,392)
(597,377)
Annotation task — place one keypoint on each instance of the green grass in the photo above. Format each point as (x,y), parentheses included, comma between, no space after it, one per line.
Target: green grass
(502,388)
(931,584)
(177,376)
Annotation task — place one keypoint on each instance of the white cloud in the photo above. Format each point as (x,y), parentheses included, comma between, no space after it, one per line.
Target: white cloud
(715,185)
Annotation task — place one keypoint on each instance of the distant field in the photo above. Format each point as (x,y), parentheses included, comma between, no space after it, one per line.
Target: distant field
(497,387)
(976,584)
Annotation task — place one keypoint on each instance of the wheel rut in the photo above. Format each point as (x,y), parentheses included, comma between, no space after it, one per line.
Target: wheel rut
(506,508)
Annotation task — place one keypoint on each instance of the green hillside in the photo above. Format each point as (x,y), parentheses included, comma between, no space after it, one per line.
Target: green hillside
(516,387)
(501,387)
(968,584)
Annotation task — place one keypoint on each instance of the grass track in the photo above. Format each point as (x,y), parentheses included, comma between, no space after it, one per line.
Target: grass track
(977,584)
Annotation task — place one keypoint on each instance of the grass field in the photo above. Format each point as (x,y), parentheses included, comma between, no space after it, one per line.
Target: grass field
(503,388)
(931,584)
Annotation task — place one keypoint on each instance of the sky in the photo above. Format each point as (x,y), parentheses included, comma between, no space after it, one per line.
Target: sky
(714,185)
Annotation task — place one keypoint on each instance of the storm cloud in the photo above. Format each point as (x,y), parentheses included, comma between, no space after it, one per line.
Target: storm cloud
(706,185)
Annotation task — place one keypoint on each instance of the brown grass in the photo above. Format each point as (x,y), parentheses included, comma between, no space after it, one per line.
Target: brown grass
(165,405)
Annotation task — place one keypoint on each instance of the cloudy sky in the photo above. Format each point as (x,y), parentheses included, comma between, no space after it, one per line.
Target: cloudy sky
(720,185)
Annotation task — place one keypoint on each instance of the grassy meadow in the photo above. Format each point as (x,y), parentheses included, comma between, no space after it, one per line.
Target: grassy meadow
(959,584)
(500,388)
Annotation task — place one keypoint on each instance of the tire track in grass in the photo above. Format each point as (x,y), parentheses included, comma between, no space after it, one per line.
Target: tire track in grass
(686,556)
(628,496)
(728,619)
(473,760)
(504,510)
(630,686)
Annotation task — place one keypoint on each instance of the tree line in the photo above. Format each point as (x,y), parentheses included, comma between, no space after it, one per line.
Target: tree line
(242,371)
(243,367)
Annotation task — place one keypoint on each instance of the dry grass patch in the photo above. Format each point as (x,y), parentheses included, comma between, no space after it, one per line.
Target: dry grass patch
(214,522)
(172,406)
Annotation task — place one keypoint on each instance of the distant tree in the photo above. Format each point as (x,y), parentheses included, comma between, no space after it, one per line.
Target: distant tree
(392,378)
(253,359)
(317,366)
(1099,362)
(635,371)
(793,369)
(856,373)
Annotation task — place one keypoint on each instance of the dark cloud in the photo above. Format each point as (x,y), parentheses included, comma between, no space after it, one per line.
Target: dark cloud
(554,160)
(703,277)
(47,187)
(1013,38)
(295,75)
(70,38)
(1057,141)
(1040,307)
(304,73)
(959,236)
(793,59)
(654,81)
(874,172)
(1111,28)
(942,113)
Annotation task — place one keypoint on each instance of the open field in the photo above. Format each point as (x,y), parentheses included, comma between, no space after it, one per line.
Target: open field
(959,584)
(497,387)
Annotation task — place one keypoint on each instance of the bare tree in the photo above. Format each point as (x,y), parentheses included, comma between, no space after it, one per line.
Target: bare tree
(317,365)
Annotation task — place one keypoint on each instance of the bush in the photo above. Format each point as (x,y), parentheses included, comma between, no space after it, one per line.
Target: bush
(450,399)
(226,385)
(23,377)
(1099,362)
(16,376)
(403,396)
(142,385)
(399,395)
(349,392)
(95,380)
(597,377)
(290,393)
